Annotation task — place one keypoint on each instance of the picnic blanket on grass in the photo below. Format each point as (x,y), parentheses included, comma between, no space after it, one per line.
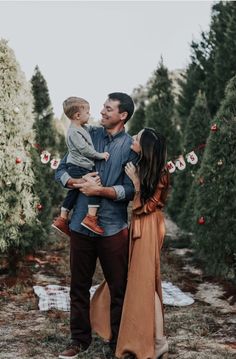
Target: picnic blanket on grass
(58,297)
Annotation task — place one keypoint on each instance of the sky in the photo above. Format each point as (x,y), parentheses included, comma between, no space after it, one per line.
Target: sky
(91,48)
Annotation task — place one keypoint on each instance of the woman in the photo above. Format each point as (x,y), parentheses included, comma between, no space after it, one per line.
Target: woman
(141,332)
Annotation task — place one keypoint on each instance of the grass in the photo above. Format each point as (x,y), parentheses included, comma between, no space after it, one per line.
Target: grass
(193,332)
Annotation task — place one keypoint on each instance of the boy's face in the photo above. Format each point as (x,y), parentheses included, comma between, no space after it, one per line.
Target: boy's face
(84,115)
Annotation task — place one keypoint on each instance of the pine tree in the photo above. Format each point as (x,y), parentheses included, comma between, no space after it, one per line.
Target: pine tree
(18,204)
(223,67)
(190,85)
(214,54)
(216,197)
(197,131)
(160,109)
(47,138)
(137,121)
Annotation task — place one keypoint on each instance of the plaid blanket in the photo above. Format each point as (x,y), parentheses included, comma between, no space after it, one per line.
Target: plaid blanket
(57,297)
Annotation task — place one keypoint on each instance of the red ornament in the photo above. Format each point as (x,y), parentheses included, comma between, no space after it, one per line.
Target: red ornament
(18,160)
(214,127)
(201,220)
(39,206)
(36,145)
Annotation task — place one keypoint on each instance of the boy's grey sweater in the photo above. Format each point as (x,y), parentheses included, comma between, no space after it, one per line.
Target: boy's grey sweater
(80,147)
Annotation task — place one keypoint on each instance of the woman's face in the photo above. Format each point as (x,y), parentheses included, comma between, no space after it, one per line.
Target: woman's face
(136,142)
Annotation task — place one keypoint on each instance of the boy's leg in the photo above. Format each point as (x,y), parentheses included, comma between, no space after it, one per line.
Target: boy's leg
(113,255)
(71,198)
(61,223)
(93,205)
(90,221)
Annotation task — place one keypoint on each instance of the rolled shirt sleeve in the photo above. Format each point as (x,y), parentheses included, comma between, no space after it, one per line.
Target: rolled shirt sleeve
(120,192)
(61,175)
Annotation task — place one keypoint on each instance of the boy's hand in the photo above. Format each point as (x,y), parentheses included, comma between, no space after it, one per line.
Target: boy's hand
(92,178)
(106,155)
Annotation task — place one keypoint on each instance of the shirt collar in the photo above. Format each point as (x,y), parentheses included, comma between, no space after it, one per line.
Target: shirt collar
(112,137)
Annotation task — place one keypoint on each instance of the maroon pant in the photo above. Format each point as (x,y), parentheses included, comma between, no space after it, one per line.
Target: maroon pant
(112,252)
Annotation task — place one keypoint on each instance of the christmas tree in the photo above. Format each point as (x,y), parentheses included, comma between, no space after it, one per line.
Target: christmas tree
(18,204)
(137,121)
(47,139)
(215,199)
(190,85)
(196,133)
(160,109)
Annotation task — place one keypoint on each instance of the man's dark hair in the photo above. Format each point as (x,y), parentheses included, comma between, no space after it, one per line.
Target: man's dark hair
(126,103)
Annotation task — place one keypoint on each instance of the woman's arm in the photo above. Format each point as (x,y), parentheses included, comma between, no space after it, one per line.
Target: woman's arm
(151,204)
(157,200)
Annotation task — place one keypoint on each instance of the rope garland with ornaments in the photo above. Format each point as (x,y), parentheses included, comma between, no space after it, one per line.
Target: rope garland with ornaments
(45,157)
(191,157)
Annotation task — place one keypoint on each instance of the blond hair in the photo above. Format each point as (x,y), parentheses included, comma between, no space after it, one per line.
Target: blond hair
(74,104)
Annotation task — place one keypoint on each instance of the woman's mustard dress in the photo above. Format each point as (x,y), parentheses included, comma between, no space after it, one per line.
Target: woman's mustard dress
(141,318)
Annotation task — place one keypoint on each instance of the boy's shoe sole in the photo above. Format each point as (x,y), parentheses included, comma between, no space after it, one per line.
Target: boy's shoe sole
(61,233)
(84,225)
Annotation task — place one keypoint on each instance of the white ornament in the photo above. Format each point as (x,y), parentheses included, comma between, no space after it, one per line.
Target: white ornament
(45,157)
(180,163)
(55,163)
(16,110)
(192,158)
(170,166)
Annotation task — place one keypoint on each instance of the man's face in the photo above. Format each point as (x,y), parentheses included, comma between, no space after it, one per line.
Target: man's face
(110,114)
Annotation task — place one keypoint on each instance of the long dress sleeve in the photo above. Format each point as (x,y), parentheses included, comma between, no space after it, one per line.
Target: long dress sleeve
(157,200)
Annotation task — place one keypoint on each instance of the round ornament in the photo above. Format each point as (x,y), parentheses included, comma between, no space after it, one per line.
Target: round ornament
(18,160)
(39,206)
(201,220)
(214,127)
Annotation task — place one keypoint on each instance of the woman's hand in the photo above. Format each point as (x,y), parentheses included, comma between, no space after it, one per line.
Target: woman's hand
(131,171)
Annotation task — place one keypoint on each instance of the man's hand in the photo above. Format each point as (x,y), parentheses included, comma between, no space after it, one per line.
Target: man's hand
(89,188)
(70,183)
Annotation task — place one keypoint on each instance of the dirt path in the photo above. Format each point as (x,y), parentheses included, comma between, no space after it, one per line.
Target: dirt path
(205,329)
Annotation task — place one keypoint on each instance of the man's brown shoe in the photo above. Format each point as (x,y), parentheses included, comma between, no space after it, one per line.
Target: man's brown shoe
(90,222)
(62,226)
(71,352)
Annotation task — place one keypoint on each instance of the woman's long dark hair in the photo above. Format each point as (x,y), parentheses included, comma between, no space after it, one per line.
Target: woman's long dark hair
(152,161)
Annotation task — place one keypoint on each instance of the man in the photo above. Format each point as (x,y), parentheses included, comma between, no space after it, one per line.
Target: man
(112,247)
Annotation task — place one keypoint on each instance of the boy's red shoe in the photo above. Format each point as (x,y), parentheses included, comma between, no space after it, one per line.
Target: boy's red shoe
(61,225)
(90,222)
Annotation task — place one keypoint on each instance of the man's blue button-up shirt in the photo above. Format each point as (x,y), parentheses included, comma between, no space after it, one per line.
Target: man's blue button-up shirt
(112,214)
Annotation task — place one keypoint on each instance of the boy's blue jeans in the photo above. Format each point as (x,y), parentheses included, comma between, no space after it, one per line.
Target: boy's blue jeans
(77,172)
